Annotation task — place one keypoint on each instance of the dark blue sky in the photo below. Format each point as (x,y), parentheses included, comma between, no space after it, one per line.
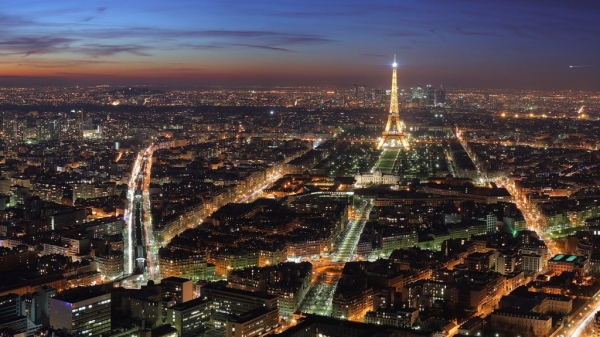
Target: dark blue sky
(458,43)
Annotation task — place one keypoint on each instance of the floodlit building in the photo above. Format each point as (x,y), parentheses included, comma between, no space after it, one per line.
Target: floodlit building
(597,324)
(562,262)
(181,263)
(111,265)
(376,178)
(539,324)
(353,304)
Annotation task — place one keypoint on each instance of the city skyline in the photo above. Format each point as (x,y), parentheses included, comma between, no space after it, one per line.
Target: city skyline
(537,45)
(295,211)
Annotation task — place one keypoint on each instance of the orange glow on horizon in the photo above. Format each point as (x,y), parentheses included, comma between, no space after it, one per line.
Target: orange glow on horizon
(129,70)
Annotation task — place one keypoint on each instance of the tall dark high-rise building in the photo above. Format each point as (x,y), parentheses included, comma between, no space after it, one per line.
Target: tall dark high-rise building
(354,90)
(430,95)
(47,129)
(460,103)
(363,93)
(440,97)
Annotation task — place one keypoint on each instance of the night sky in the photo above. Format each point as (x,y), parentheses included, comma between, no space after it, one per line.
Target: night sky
(459,43)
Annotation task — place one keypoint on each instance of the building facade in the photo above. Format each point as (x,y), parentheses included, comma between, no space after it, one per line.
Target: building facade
(518,323)
(257,322)
(190,318)
(82,312)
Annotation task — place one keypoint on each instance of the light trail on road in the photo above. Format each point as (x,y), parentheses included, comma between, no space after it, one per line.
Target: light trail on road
(580,327)
(139,181)
(534,222)
(128,216)
(348,246)
(319,299)
(151,250)
(256,194)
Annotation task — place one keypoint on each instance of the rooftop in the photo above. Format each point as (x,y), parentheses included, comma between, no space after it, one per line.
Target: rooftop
(190,304)
(80,294)
(567,258)
(174,279)
(220,286)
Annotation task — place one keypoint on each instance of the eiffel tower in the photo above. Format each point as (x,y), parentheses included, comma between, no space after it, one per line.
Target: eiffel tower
(393,135)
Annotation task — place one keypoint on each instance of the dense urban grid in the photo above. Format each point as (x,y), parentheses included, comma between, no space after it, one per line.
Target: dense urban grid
(305,211)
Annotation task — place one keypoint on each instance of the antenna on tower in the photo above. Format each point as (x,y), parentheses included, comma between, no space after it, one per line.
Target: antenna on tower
(394,58)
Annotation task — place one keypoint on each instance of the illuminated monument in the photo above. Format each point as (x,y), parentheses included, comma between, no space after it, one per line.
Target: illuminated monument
(393,135)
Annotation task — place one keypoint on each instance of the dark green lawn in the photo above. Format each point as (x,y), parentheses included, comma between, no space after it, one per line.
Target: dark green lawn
(385,164)
(389,155)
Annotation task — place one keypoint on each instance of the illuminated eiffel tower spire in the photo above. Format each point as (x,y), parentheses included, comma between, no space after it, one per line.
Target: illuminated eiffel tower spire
(394,98)
(393,134)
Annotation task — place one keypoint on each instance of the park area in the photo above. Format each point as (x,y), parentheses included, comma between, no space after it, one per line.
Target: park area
(387,160)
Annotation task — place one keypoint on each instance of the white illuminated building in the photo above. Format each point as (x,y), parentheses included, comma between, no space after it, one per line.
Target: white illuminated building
(376,178)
